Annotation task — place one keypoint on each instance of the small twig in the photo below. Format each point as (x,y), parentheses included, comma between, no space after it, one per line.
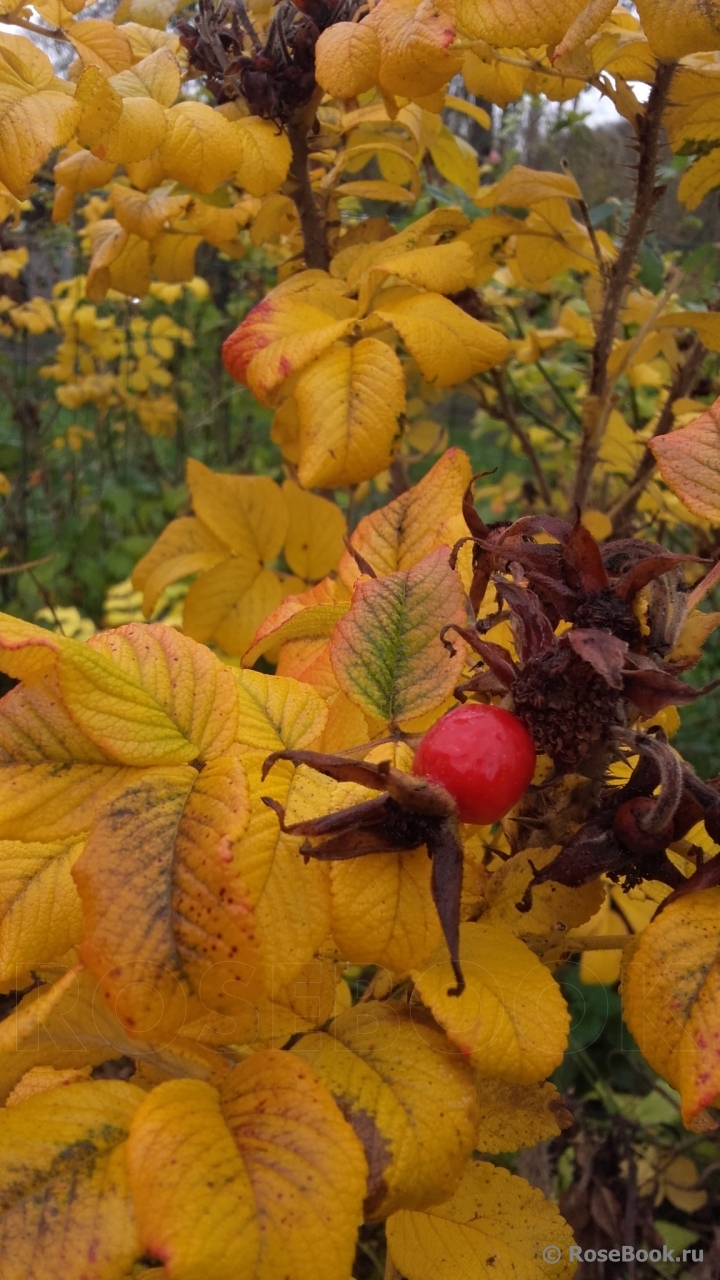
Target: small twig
(585,215)
(29,564)
(510,418)
(558,391)
(50,33)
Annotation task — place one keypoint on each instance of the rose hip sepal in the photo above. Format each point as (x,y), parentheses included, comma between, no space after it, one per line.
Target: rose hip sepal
(412,812)
(483,756)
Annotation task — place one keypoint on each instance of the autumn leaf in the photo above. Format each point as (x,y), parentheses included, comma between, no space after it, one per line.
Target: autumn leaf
(510,25)
(40,913)
(670,991)
(66,1209)
(512,1021)
(555,908)
(386,652)
(386,1066)
(264,155)
(416,54)
(282,335)
(347,59)
(675,28)
(35,117)
(258,1177)
(311,615)
(425,517)
(493,1215)
(689,462)
(521,188)
(200,148)
(349,403)
(515,1115)
(448,344)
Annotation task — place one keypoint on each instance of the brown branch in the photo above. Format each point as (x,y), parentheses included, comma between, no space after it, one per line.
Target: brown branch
(509,416)
(52,33)
(683,382)
(647,195)
(312,223)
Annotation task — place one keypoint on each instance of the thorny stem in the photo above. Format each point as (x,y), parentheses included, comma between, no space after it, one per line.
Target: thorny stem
(683,382)
(312,223)
(510,417)
(647,194)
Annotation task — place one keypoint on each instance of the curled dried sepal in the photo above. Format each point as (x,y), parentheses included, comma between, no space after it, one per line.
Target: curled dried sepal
(413,812)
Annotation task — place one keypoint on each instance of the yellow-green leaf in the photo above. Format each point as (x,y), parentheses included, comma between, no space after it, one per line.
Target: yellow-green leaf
(386,652)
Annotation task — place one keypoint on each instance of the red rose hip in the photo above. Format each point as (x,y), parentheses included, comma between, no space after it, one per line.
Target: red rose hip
(483,756)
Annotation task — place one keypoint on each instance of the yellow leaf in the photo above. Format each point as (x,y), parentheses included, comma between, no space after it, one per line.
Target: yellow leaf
(675,28)
(145,215)
(264,155)
(185,547)
(40,913)
(172,257)
(495,1223)
(260,1179)
(427,516)
(689,463)
(386,652)
(349,402)
(229,602)
(671,995)
(101,44)
(699,180)
(310,615)
(416,41)
(696,629)
(201,149)
(281,336)
(63,1185)
(38,1079)
(387,1067)
(81,171)
(512,1020)
(448,345)
(555,908)
(443,268)
(704,323)
(514,1115)
(157,75)
(497,82)
(247,512)
(376,189)
(382,910)
(585,25)
(466,108)
(506,23)
(522,188)
(457,161)
(347,59)
(317,527)
(291,899)
(31,127)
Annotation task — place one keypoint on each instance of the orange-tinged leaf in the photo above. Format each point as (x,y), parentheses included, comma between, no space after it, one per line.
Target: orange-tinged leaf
(349,402)
(512,1020)
(310,615)
(66,1210)
(416,41)
(382,910)
(448,344)
(386,652)
(169,929)
(280,336)
(387,1066)
(314,541)
(493,1215)
(427,516)
(261,1179)
(347,59)
(689,462)
(671,997)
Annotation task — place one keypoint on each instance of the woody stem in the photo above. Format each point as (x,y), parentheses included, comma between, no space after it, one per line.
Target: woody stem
(312,223)
(647,194)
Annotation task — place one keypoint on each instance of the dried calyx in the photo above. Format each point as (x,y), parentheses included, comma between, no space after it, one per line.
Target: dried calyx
(571,689)
(412,812)
(275,77)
